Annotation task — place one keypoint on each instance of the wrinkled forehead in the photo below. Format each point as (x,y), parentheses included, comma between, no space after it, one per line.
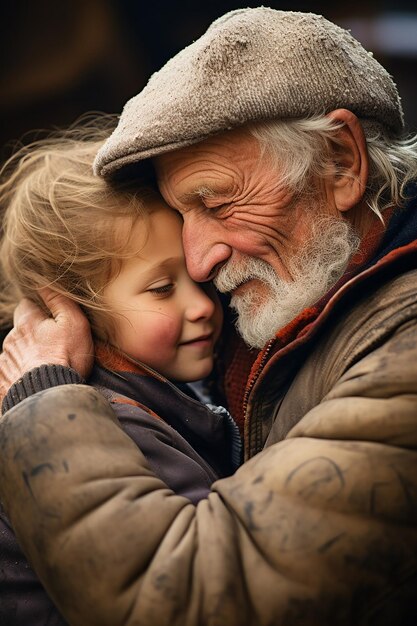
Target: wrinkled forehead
(210,168)
(223,151)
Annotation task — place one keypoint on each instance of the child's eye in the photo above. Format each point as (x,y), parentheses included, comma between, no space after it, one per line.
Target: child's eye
(164,289)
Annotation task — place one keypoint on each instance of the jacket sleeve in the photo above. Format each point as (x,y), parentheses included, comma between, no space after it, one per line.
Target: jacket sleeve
(319,529)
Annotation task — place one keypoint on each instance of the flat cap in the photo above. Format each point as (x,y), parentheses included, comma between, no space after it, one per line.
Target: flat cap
(251,64)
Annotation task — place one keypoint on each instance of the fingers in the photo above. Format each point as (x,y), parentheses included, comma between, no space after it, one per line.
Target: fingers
(27,310)
(73,332)
(57,303)
(38,338)
(61,307)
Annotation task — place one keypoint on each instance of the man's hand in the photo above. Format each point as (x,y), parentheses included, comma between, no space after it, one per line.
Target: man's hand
(36,339)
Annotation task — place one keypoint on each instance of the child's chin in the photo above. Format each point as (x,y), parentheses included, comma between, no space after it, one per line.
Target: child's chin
(198,375)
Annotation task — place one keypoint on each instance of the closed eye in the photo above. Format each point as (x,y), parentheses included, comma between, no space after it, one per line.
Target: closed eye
(214,205)
(220,209)
(164,289)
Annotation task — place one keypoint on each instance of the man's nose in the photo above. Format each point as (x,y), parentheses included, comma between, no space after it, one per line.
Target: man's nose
(205,251)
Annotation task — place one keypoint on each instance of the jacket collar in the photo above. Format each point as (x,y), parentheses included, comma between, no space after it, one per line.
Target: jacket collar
(125,381)
(383,253)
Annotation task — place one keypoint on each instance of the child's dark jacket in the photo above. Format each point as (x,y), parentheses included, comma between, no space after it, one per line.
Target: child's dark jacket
(186,444)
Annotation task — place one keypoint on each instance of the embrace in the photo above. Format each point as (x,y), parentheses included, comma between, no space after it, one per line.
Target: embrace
(280,144)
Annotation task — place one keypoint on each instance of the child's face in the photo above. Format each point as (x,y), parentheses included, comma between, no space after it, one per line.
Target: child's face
(163,318)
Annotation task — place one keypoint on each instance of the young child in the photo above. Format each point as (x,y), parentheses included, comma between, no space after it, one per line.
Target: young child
(117,251)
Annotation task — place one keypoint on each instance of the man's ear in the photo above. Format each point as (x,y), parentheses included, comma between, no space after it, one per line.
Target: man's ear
(351,160)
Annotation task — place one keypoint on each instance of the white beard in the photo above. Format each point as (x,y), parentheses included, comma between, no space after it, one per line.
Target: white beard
(314,271)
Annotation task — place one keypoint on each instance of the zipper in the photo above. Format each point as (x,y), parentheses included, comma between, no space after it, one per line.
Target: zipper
(249,388)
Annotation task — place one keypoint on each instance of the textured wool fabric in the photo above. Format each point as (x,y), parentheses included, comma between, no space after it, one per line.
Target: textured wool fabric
(38,379)
(251,64)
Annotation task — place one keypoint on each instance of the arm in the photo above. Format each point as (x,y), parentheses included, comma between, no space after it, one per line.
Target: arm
(314,530)
(62,339)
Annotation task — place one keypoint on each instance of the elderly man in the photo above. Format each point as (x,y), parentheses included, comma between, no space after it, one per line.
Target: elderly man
(280,141)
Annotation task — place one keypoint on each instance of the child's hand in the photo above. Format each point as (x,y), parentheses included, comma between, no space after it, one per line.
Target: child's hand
(36,339)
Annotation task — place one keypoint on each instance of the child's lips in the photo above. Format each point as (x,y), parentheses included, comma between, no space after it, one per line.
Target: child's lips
(201,340)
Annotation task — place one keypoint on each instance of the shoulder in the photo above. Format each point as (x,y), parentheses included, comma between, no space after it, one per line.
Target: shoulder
(371,320)
(363,364)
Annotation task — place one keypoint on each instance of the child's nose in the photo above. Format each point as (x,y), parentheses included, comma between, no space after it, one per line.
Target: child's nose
(200,305)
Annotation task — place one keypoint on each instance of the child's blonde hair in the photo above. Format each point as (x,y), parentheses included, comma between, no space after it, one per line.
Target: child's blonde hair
(62,226)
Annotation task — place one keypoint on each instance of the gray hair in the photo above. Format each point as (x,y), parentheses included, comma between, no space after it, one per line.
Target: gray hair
(301,148)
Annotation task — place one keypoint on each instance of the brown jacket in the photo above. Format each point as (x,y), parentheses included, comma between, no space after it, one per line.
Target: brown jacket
(320,528)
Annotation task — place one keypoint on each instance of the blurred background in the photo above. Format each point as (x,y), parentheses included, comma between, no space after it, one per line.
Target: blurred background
(61,58)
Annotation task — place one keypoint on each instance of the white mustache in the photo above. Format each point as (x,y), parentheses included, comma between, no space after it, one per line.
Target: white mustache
(234,274)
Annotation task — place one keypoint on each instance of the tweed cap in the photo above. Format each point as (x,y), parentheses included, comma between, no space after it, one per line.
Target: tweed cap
(251,64)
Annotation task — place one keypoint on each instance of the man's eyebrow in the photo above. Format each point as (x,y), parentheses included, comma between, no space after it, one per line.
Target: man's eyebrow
(206,192)
(202,192)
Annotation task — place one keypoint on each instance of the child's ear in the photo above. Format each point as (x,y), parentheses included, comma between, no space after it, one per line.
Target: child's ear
(350,156)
